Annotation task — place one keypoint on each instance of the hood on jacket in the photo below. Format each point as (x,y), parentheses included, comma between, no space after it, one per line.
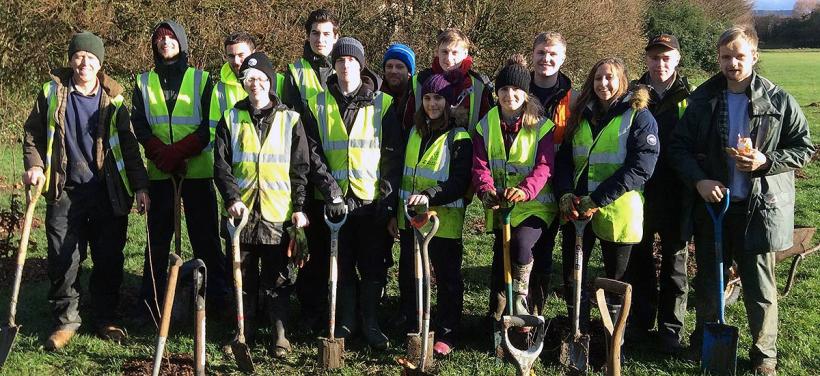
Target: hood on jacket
(182,38)
(111,87)
(370,83)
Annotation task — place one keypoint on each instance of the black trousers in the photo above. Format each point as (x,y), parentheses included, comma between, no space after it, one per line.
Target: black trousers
(445,259)
(264,280)
(664,294)
(361,249)
(82,218)
(615,257)
(199,203)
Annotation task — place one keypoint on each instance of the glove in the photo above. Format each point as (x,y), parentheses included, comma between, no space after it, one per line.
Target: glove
(336,208)
(490,199)
(188,146)
(298,250)
(567,206)
(587,207)
(154,147)
(513,195)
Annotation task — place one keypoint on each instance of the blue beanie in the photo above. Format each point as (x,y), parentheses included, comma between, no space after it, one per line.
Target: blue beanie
(403,53)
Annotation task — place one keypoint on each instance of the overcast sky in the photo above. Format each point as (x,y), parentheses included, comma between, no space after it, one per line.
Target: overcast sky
(774,4)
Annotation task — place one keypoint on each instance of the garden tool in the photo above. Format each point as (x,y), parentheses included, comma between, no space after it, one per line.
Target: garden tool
(200,282)
(575,347)
(167,306)
(177,180)
(9,332)
(719,352)
(331,350)
(419,345)
(614,330)
(240,349)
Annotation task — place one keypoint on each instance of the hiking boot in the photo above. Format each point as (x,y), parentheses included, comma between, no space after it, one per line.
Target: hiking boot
(520,283)
(59,339)
(539,291)
(112,333)
(369,297)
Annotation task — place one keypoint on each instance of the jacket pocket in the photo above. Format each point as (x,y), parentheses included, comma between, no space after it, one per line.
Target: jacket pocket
(772,222)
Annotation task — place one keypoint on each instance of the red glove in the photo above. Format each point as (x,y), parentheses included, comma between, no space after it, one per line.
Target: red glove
(188,146)
(154,148)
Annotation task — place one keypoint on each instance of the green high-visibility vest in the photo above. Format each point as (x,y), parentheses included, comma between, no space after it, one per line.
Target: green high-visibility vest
(476,92)
(509,171)
(185,119)
(622,220)
(262,169)
(429,171)
(50,93)
(306,79)
(353,159)
(230,90)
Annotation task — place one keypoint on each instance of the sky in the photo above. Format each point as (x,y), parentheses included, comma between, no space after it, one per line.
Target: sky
(774,4)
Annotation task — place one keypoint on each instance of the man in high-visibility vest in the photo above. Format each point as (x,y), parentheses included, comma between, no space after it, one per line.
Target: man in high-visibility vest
(668,90)
(308,75)
(170,118)
(78,142)
(357,150)
(261,164)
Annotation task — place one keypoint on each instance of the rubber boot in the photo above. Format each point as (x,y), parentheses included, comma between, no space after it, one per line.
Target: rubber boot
(278,314)
(539,291)
(369,297)
(520,284)
(345,310)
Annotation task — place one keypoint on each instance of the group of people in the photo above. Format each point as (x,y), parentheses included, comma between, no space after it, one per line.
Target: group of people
(331,138)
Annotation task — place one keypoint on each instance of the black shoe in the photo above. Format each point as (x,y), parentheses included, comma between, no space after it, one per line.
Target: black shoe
(669,344)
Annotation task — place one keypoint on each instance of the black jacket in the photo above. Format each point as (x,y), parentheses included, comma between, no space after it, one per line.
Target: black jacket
(259,231)
(392,145)
(170,78)
(458,180)
(323,68)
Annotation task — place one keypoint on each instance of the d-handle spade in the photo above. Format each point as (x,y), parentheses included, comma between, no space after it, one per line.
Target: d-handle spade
(575,347)
(524,359)
(240,349)
(615,329)
(200,284)
(331,349)
(167,306)
(9,332)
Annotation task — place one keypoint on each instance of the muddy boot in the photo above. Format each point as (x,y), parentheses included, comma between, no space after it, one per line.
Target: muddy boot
(520,283)
(345,310)
(539,291)
(369,297)
(278,314)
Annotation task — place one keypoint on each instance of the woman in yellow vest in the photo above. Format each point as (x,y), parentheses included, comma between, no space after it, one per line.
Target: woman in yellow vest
(513,154)
(260,167)
(436,173)
(609,151)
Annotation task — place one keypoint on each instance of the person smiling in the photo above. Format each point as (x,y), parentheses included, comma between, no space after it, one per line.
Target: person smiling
(609,151)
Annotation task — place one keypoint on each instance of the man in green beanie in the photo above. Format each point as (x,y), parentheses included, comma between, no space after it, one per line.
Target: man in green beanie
(79,144)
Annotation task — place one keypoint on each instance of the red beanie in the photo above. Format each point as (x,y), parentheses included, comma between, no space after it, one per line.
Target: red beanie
(162,31)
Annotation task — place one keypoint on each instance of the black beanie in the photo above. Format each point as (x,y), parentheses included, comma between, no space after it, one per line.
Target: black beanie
(86,41)
(513,75)
(347,46)
(258,60)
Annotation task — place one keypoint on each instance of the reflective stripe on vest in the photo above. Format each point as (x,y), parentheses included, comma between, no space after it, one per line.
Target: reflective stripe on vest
(227,92)
(185,119)
(262,170)
(50,93)
(429,171)
(306,79)
(476,91)
(622,220)
(508,172)
(353,159)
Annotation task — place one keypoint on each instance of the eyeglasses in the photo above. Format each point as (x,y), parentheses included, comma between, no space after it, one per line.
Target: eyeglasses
(254,80)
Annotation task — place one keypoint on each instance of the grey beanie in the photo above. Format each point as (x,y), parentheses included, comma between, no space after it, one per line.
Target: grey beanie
(347,46)
(86,41)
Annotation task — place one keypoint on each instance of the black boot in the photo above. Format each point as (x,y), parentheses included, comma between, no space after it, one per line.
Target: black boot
(278,314)
(369,297)
(345,310)
(539,292)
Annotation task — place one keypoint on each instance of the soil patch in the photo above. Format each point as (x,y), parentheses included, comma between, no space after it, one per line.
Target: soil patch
(559,328)
(175,364)
(35,270)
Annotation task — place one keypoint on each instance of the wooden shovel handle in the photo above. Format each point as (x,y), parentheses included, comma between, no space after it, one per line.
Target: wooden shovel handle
(170,291)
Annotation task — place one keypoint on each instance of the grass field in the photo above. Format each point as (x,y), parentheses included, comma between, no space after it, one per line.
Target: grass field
(799,346)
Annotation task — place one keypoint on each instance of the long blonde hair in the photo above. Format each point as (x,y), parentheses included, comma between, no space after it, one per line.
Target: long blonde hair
(587,94)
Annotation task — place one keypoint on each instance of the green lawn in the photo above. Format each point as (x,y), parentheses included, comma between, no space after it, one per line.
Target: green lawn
(797,71)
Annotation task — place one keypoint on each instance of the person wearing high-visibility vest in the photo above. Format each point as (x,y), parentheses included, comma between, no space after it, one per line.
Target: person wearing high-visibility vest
(437,164)
(553,90)
(474,91)
(261,164)
(170,107)
(78,143)
(513,154)
(661,295)
(609,151)
(356,147)
(228,89)
(307,76)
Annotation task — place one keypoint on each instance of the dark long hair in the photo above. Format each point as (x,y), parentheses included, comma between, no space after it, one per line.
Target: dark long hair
(587,94)
(422,121)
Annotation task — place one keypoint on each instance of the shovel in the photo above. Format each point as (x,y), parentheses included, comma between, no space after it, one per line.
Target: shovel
(9,332)
(331,350)
(240,350)
(167,306)
(575,347)
(419,344)
(200,282)
(615,331)
(719,353)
